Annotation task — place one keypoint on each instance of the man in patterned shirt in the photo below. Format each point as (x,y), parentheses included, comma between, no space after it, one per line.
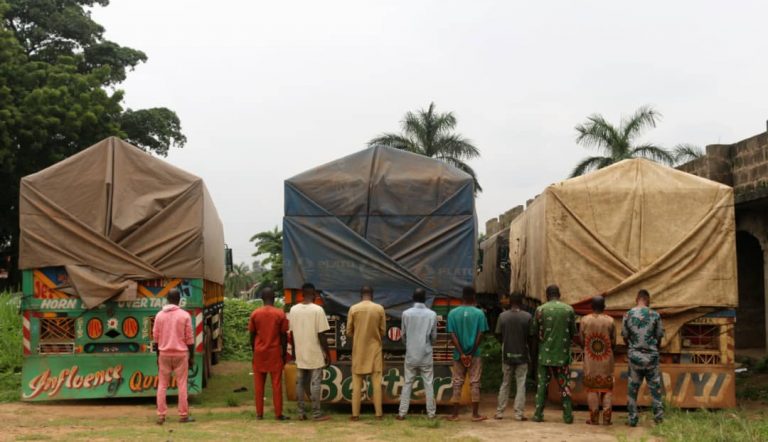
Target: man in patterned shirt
(598,336)
(642,331)
(554,324)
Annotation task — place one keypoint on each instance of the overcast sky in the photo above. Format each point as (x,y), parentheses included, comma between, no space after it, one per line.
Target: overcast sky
(266,90)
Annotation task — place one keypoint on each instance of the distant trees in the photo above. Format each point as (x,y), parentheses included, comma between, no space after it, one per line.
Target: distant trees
(430,133)
(269,247)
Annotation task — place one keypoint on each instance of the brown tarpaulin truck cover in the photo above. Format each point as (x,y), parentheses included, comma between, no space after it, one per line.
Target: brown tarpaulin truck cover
(629,226)
(113,214)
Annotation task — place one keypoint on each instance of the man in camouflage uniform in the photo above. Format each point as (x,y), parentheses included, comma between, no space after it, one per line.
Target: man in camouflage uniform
(554,324)
(642,331)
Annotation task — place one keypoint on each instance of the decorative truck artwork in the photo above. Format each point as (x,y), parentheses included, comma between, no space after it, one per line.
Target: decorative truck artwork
(92,286)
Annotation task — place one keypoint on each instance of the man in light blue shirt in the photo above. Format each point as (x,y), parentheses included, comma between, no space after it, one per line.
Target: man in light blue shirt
(419,332)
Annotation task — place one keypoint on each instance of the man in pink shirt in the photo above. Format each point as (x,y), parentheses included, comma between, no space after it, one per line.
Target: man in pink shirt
(175,353)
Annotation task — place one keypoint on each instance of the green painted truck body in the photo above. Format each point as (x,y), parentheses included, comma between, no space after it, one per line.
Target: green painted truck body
(71,352)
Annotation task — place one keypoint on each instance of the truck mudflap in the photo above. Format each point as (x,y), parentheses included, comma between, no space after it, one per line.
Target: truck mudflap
(685,386)
(336,386)
(84,376)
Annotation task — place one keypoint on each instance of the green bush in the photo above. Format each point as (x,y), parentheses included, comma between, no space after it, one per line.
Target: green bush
(236,339)
(715,426)
(490,349)
(11,356)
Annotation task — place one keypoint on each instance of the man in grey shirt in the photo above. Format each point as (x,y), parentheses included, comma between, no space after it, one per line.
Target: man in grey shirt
(512,330)
(419,332)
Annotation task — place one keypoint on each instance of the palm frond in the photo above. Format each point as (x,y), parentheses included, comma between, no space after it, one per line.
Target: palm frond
(397,141)
(414,127)
(456,146)
(644,117)
(591,163)
(464,167)
(599,133)
(684,153)
(654,153)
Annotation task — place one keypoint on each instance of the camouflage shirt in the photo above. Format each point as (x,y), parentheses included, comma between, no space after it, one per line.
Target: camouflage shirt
(554,324)
(642,331)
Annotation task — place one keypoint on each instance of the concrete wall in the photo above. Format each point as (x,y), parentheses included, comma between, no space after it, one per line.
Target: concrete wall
(744,166)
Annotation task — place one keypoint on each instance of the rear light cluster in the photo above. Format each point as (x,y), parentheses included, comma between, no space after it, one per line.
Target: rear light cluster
(95,328)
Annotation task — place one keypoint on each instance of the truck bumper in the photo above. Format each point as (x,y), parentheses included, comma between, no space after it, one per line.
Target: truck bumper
(336,386)
(685,386)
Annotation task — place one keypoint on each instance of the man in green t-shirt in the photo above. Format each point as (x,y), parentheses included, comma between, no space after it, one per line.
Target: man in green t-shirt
(466,324)
(554,325)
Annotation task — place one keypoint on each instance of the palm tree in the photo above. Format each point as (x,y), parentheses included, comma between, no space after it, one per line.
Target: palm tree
(238,280)
(616,143)
(430,133)
(684,153)
(270,243)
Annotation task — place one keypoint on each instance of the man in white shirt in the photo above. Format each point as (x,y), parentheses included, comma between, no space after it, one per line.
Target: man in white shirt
(308,324)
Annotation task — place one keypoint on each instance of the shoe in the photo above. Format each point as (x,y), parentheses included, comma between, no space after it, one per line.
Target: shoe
(479,418)
(302,417)
(658,421)
(379,418)
(498,416)
(160,420)
(400,417)
(568,421)
(538,418)
(354,418)
(322,418)
(632,423)
(452,418)
(282,418)
(186,419)
(259,417)
(431,417)
(521,418)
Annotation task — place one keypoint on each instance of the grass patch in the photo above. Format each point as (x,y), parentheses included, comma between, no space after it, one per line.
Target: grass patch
(11,356)
(712,426)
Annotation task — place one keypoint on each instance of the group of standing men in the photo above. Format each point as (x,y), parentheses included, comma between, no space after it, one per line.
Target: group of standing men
(552,330)
(553,327)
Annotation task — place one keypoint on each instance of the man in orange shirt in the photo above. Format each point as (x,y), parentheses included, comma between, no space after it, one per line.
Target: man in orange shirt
(269,339)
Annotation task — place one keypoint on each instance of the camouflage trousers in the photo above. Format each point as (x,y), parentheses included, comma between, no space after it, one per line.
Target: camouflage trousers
(562,375)
(652,375)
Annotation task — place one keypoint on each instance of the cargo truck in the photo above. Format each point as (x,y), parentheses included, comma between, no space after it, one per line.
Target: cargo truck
(636,225)
(105,234)
(390,219)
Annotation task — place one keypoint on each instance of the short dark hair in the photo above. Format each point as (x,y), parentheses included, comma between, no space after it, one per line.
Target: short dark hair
(267,293)
(173,296)
(419,295)
(366,290)
(553,292)
(598,304)
(308,286)
(468,293)
(643,293)
(516,299)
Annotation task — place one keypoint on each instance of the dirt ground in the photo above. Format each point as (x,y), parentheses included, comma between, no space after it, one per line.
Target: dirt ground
(134,420)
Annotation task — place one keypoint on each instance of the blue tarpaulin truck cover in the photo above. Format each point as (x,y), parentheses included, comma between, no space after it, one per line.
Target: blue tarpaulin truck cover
(381,217)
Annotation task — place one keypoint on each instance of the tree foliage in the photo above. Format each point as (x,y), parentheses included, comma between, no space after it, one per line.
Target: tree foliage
(617,143)
(57,96)
(240,279)
(430,133)
(269,245)
(684,153)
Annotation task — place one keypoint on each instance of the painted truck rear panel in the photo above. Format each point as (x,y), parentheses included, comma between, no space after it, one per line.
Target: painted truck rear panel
(74,353)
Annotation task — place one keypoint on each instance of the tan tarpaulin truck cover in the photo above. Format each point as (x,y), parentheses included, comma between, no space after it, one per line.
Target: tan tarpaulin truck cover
(633,225)
(113,214)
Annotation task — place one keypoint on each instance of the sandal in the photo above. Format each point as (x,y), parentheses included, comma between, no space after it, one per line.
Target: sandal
(479,418)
